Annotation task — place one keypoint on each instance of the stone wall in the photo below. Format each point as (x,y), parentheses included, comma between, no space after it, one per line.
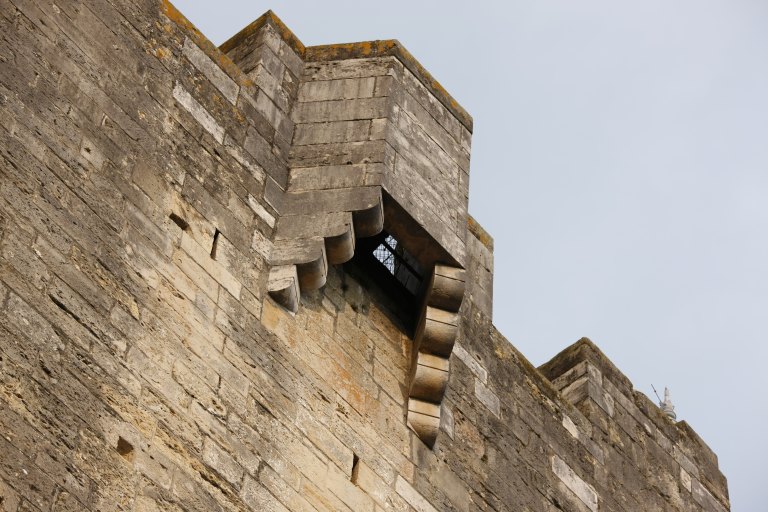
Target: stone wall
(145,176)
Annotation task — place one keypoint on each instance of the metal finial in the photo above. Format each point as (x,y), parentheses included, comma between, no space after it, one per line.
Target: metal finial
(666,405)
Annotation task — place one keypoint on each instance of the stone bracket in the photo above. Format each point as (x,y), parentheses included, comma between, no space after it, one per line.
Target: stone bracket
(430,361)
(283,286)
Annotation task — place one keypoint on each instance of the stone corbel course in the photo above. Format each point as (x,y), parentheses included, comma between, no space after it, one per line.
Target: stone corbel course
(435,337)
(310,241)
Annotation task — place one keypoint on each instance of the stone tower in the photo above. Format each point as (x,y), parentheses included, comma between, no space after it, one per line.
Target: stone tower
(245,278)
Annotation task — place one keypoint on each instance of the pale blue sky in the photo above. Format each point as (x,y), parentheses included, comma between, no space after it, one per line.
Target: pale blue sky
(620,161)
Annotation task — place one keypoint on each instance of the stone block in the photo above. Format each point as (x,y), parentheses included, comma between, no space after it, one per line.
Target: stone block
(222,462)
(350,494)
(344,89)
(437,331)
(348,110)
(429,378)
(325,441)
(271,86)
(334,176)
(198,112)
(412,496)
(211,70)
(283,286)
(331,132)
(473,364)
(258,498)
(585,492)
(488,398)
(204,257)
(424,420)
(348,69)
(339,153)
(382,493)
(155,466)
(283,492)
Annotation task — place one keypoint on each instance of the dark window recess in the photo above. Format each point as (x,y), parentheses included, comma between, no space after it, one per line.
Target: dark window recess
(399,263)
(391,274)
(355,468)
(215,244)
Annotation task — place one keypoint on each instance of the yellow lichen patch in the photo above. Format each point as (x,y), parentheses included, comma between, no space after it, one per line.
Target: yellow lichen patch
(286,34)
(481,234)
(210,49)
(268,17)
(229,67)
(363,49)
(153,47)
(366,48)
(161,52)
(173,14)
(241,36)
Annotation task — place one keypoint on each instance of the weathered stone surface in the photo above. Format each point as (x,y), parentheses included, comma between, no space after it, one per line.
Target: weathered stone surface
(283,286)
(211,70)
(201,115)
(437,332)
(585,492)
(430,378)
(424,420)
(159,220)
